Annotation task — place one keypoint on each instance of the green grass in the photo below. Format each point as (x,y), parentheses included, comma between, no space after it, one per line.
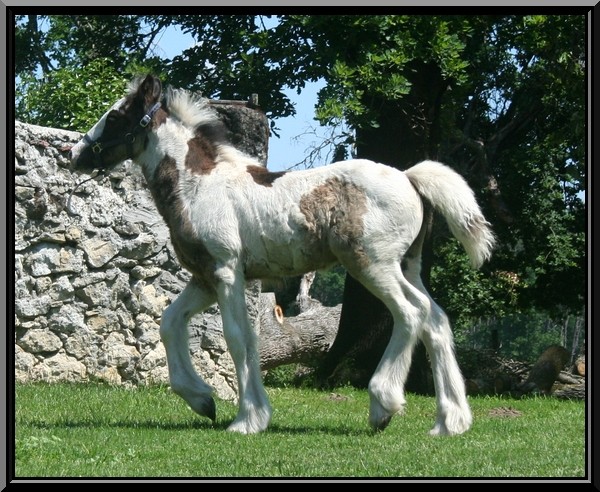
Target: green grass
(96,430)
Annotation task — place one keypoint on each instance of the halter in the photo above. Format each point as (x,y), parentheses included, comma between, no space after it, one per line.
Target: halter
(128,139)
(98,147)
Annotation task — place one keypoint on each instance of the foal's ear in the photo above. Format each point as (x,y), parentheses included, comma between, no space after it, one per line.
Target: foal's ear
(151,89)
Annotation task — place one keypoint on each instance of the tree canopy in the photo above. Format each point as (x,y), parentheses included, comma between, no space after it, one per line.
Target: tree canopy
(501,98)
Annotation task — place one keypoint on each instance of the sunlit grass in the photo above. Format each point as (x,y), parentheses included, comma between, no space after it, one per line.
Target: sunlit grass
(101,431)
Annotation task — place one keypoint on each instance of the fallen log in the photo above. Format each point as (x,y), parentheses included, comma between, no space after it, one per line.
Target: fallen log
(570,392)
(302,339)
(568,378)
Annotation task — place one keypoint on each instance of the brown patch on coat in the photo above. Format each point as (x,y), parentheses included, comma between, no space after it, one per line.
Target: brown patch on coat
(164,186)
(201,155)
(160,117)
(190,250)
(263,176)
(334,214)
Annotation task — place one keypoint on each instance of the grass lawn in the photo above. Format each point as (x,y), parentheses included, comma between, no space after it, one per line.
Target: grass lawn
(94,430)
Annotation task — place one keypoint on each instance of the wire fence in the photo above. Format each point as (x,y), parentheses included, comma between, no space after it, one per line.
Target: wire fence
(525,336)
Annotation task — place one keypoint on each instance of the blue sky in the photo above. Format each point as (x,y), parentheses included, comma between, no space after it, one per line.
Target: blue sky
(297,134)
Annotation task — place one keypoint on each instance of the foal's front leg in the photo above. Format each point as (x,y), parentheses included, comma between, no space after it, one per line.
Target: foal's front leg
(174,334)
(254,411)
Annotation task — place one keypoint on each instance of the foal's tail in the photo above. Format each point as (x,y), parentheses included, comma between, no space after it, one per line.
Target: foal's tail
(450,195)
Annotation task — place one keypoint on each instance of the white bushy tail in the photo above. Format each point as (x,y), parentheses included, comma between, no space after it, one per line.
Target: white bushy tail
(450,195)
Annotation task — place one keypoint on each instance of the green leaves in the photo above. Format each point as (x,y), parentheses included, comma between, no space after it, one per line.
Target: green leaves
(72,99)
(376,57)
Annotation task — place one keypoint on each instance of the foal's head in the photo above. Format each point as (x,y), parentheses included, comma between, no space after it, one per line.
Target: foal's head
(122,133)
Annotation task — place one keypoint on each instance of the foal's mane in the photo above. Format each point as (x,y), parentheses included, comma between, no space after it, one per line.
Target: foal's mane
(191,109)
(196,113)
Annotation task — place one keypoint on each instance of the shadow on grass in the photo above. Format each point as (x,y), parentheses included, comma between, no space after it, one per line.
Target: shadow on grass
(126,424)
(203,425)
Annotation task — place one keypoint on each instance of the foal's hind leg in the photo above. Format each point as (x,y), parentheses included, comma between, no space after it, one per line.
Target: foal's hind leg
(254,411)
(453,412)
(174,334)
(386,387)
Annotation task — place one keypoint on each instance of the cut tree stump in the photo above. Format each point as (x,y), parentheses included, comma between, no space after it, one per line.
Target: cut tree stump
(546,370)
(580,365)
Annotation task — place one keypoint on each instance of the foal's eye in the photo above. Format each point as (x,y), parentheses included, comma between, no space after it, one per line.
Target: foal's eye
(112,116)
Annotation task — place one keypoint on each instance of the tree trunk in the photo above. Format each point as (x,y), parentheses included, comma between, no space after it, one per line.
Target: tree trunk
(364,330)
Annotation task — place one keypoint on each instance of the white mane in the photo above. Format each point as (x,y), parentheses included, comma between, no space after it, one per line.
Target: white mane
(191,109)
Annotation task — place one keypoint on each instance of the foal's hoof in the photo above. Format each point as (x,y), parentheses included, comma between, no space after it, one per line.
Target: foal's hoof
(211,410)
(205,406)
(381,423)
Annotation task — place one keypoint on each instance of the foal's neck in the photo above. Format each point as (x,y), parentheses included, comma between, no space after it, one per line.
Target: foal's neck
(169,140)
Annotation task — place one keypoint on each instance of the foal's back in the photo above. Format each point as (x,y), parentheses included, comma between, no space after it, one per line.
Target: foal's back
(344,212)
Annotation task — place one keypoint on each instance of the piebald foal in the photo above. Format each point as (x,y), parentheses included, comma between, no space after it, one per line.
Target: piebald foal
(231,220)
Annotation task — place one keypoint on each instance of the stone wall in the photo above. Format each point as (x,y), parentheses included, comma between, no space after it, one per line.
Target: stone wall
(93,276)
